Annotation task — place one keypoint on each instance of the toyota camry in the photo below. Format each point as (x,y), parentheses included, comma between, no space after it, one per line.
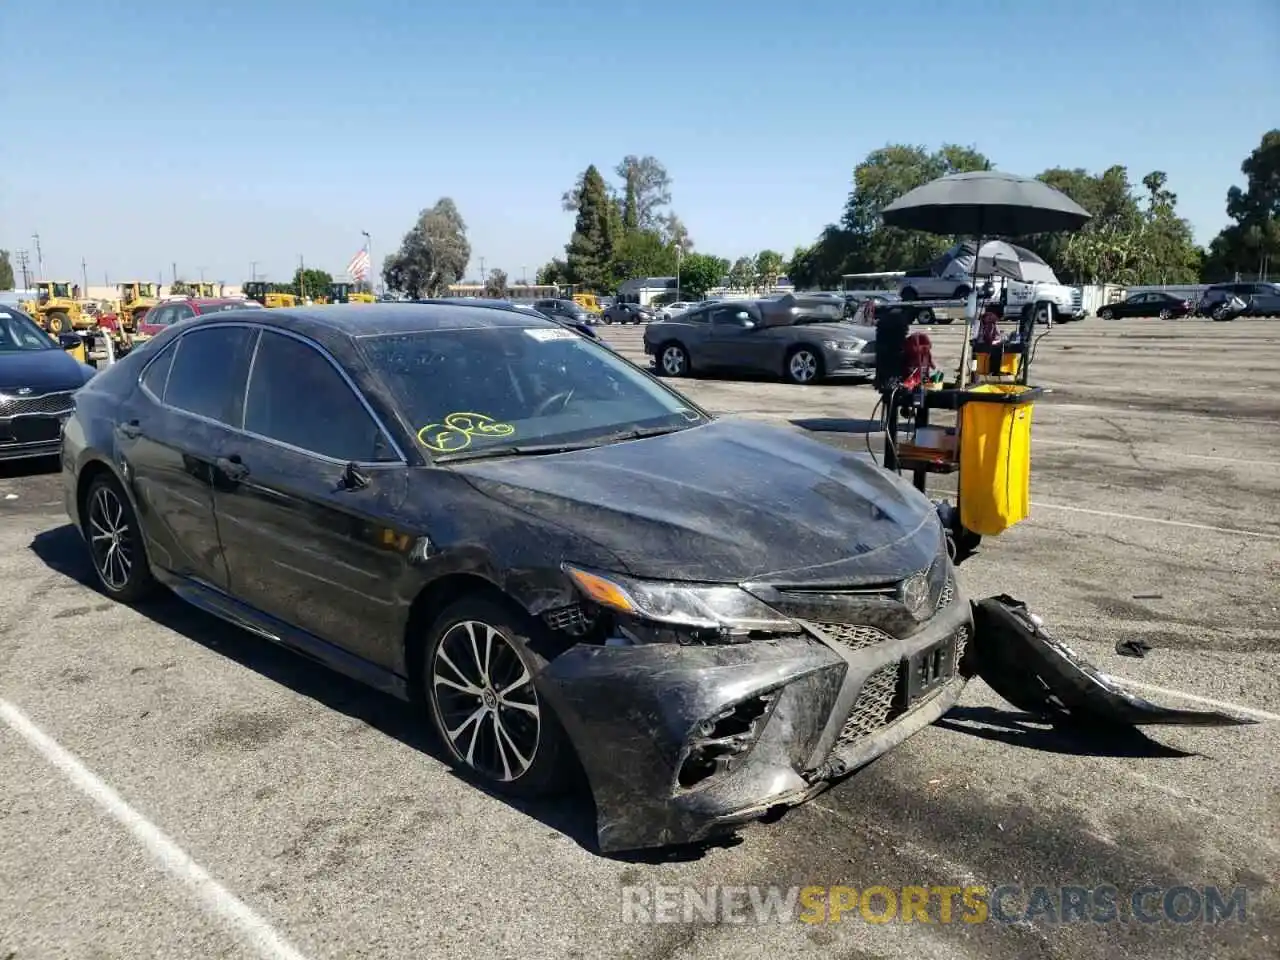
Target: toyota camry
(571,567)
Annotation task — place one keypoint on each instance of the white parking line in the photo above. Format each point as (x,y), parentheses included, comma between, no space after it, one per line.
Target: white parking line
(1260,534)
(1176,454)
(1207,701)
(217,899)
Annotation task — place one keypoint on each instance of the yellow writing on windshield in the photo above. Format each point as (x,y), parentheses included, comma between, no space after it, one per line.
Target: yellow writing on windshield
(457,430)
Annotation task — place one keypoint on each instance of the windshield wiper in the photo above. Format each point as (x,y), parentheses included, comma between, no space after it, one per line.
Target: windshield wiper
(533,450)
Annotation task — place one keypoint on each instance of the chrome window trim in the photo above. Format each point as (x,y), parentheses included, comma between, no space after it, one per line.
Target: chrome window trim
(259,329)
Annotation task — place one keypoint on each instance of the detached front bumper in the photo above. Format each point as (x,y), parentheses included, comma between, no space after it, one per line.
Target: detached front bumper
(680,743)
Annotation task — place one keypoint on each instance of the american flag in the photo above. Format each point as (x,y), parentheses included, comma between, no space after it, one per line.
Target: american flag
(358,268)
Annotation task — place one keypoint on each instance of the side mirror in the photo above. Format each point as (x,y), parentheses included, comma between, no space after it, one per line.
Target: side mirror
(69,341)
(353,478)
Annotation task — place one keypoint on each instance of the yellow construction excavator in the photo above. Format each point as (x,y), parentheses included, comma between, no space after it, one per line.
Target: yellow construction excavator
(136,298)
(261,291)
(341,292)
(56,307)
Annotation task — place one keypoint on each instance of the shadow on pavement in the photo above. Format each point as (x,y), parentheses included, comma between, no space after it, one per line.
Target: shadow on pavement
(856,425)
(1027,730)
(572,814)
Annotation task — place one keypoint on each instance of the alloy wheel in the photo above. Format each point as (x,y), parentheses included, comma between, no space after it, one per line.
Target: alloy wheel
(486,701)
(803,366)
(673,361)
(110,539)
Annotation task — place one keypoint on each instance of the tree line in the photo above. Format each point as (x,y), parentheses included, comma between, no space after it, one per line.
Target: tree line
(1135,237)
(625,227)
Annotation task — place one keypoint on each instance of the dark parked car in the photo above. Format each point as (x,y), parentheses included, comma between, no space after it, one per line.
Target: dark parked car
(1260,300)
(1151,304)
(37,381)
(565,310)
(569,564)
(628,313)
(579,325)
(802,340)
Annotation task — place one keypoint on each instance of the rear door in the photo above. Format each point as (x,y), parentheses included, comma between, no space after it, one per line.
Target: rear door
(168,436)
(1266,299)
(301,545)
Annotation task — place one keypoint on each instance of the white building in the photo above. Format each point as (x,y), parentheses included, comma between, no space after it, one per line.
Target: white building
(643,290)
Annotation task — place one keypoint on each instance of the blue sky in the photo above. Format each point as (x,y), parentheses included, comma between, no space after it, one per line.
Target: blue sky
(216,134)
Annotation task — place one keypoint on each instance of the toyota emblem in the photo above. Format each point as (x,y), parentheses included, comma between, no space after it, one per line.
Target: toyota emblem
(24,391)
(914,594)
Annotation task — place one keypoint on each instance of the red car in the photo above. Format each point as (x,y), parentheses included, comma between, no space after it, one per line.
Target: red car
(168,312)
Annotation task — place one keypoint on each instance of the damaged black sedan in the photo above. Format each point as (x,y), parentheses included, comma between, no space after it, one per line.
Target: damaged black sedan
(568,563)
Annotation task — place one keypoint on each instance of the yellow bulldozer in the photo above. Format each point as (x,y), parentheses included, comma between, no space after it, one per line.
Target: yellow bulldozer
(261,291)
(340,292)
(136,298)
(56,307)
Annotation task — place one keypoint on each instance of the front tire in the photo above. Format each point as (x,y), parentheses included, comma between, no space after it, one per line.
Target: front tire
(478,681)
(1166,314)
(1106,314)
(115,541)
(58,322)
(804,366)
(926,316)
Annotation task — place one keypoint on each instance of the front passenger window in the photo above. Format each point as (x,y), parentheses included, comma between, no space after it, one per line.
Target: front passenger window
(297,397)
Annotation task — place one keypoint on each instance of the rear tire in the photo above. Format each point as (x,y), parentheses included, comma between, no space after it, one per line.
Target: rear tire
(478,682)
(926,316)
(1166,314)
(1106,314)
(673,360)
(115,540)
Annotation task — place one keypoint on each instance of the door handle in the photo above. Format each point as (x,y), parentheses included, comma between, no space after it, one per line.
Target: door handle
(130,429)
(232,467)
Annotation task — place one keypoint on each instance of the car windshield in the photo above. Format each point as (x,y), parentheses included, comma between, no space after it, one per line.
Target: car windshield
(494,390)
(19,332)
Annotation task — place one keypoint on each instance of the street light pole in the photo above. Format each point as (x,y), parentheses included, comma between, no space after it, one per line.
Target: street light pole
(39,256)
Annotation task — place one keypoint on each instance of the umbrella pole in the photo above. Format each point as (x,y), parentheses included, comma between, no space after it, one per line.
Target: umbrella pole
(966,351)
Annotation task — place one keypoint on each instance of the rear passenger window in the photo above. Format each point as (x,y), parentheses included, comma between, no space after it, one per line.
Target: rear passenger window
(157,372)
(296,396)
(208,373)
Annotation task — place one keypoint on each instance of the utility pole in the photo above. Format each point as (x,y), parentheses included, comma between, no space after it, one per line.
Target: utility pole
(39,256)
(174,266)
(679,295)
(524,275)
(253,268)
(24,260)
(302,278)
(202,274)
(84,275)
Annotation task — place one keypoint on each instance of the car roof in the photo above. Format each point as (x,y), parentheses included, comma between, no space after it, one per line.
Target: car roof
(358,320)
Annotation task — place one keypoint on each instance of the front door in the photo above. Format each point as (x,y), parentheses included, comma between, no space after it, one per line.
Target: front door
(167,437)
(735,341)
(302,545)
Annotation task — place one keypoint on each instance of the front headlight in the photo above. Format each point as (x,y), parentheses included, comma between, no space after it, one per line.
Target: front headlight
(699,606)
(852,346)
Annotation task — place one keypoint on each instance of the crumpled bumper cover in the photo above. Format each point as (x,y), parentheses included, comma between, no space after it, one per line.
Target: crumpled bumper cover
(634,713)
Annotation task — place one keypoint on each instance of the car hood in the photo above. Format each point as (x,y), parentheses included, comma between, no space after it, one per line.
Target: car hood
(40,371)
(727,502)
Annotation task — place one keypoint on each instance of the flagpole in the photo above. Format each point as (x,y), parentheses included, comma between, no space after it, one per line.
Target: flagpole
(368,252)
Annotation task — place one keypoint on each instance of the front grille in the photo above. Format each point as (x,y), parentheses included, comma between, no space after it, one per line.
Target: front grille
(47,404)
(875,707)
(854,636)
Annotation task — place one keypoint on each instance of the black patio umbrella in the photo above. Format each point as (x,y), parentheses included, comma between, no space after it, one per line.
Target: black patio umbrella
(982,204)
(986,203)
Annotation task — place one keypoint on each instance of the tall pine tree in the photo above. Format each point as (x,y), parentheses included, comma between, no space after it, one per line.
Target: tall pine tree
(591,249)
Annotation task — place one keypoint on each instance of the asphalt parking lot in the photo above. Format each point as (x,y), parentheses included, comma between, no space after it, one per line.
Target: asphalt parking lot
(232,800)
